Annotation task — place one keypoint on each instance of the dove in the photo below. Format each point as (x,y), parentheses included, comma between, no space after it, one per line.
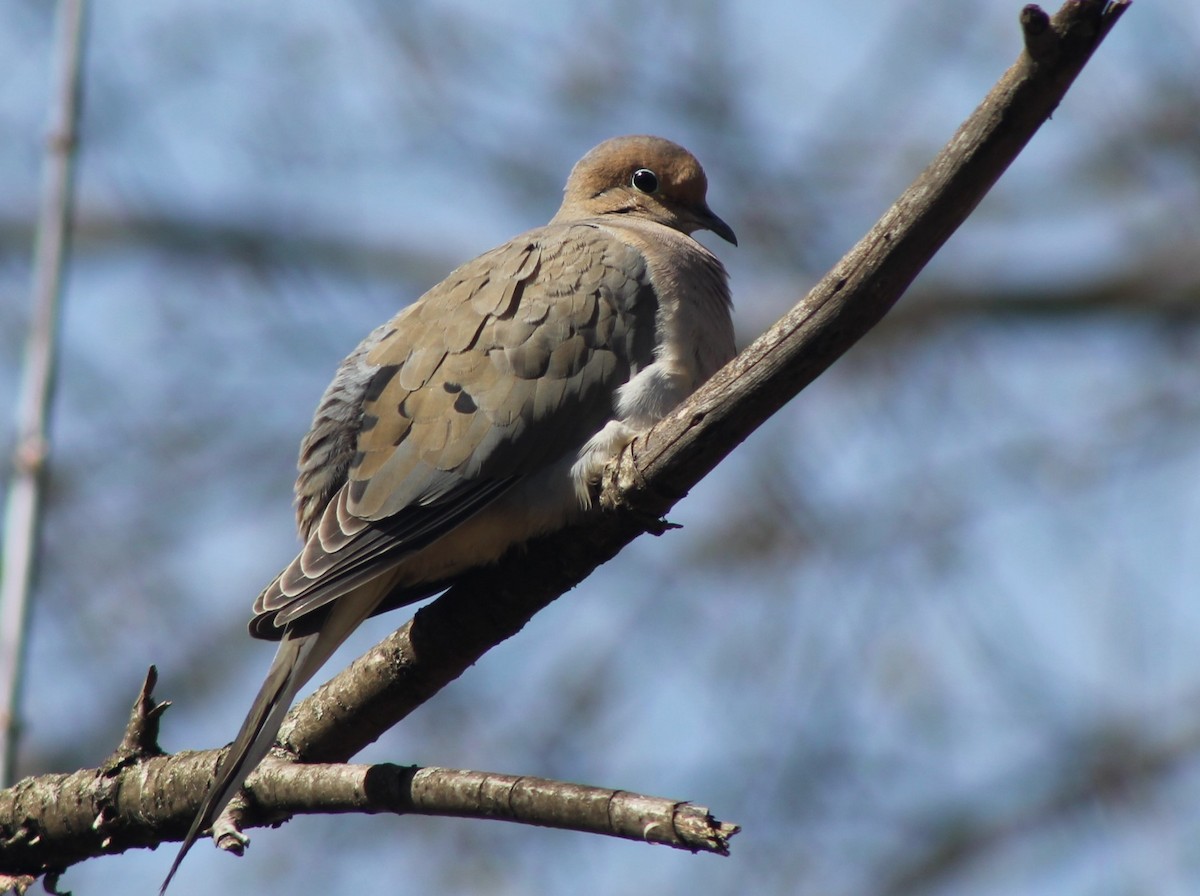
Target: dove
(483,414)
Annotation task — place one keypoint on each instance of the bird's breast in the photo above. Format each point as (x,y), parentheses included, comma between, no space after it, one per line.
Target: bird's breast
(693,327)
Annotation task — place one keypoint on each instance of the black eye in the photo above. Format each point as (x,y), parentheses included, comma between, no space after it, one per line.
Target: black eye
(645,180)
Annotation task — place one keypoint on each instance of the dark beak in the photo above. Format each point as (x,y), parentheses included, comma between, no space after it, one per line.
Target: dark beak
(709,221)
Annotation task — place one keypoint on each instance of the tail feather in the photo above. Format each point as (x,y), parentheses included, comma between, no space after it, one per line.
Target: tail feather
(296,661)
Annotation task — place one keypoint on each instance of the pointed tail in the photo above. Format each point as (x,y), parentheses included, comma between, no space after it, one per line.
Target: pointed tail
(296,661)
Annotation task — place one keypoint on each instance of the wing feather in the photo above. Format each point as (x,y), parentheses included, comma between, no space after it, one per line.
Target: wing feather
(463,398)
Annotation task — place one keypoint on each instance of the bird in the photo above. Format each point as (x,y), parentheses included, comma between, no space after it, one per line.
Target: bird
(483,414)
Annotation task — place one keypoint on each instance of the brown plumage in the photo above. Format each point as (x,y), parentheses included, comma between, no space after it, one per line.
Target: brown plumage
(482,414)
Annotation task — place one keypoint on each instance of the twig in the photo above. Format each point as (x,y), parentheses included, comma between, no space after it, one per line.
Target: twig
(23,510)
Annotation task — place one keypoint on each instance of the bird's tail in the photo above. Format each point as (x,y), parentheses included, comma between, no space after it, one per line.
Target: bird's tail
(296,661)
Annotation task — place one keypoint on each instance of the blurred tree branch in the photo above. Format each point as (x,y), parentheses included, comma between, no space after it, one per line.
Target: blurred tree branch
(446,637)
(1111,765)
(23,508)
(262,244)
(1165,282)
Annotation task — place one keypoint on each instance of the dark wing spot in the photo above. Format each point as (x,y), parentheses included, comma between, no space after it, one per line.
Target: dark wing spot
(465,404)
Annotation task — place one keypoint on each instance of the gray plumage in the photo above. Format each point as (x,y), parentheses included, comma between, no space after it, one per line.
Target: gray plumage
(482,415)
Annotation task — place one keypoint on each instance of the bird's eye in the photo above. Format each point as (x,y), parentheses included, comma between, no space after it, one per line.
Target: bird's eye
(645,181)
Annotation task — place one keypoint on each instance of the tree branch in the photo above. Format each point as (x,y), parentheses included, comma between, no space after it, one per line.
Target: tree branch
(446,637)
(22,510)
(1112,764)
(450,634)
(130,801)
(405,790)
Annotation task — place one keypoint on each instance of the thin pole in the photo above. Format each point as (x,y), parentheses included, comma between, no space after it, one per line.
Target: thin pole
(23,507)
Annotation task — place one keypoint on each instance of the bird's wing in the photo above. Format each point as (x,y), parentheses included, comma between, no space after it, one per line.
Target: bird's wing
(505,367)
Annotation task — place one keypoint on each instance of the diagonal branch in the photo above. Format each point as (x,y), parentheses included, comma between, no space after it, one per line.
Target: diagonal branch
(446,637)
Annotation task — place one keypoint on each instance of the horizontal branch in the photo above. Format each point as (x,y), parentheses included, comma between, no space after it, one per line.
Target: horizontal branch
(408,790)
(279,241)
(126,802)
(122,806)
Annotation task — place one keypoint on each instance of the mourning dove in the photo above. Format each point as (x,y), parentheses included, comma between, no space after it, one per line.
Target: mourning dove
(482,415)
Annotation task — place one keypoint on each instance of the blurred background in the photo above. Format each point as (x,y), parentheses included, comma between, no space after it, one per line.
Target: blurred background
(932,630)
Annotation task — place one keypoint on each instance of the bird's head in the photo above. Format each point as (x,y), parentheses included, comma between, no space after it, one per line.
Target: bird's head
(642,177)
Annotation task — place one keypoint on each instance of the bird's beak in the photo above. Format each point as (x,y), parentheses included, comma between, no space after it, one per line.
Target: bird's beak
(709,221)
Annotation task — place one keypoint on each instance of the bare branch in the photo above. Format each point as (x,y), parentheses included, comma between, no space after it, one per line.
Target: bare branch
(290,788)
(131,800)
(23,510)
